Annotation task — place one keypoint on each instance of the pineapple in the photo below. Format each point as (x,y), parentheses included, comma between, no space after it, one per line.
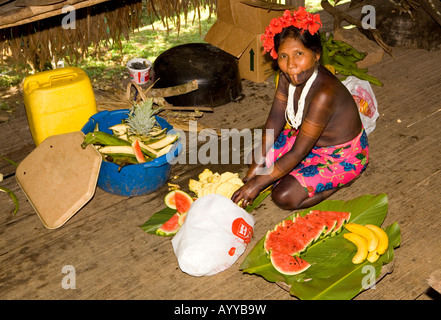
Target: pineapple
(141,118)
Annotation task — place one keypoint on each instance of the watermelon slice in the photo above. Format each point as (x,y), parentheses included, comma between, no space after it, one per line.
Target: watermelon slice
(314,227)
(286,264)
(340,216)
(170,227)
(178,200)
(289,238)
(320,219)
(182,219)
(305,236)
(138,152)
(301,234)
(281,241)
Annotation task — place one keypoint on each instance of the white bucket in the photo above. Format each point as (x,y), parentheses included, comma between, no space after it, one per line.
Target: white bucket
(140,76)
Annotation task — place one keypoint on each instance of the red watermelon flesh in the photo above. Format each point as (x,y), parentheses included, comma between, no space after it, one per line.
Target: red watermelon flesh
(170,227)
(304,237)
(182,202)
(314,228)
(340,216)
(282,241)
(291,237)
(329,222)
(287,264)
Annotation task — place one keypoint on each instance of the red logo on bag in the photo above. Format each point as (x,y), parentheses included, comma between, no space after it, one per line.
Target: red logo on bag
(242,230)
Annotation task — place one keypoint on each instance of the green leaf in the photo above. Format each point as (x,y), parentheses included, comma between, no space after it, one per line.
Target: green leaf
(348,279)
(13,198)
(332,274)
(258,200)
(157,220)
(10,161)
(141,118)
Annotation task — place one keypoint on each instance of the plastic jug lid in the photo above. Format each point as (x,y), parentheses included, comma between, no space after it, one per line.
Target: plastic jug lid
(59,177)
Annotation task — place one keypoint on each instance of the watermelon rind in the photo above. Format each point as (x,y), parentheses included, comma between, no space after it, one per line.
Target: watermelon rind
(169,200)
(181,219)
(328,221)
(329,228)
(339,217)
(266,246)
(170,227)
(287,264)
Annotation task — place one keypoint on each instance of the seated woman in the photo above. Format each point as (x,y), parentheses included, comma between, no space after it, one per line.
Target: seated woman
(326,146)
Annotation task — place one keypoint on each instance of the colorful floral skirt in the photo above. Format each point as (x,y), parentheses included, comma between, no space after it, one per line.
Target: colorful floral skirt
(324,168)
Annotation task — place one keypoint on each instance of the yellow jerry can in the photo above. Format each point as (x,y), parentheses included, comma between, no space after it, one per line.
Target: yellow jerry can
(58,101)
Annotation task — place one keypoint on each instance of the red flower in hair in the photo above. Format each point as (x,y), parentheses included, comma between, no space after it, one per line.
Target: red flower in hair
(312,23)
(300,19)
(276,25)
(299,16)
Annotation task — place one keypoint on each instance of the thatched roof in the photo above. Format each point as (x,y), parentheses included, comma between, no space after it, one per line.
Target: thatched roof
(19,12)
(32,31)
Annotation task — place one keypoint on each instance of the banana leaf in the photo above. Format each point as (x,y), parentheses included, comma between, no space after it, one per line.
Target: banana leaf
(162,216)
(332,274)
(256,202)
(157,220)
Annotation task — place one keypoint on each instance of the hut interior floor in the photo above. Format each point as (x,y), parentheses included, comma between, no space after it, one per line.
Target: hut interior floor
(114,259)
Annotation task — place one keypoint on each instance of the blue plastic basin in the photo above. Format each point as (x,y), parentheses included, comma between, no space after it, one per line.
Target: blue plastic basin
(134,179)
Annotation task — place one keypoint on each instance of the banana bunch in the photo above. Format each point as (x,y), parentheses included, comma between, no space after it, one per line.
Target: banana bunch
(225,184)
(340,57)
(371,241)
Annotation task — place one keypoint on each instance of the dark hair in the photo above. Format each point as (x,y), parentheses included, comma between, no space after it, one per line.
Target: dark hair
(312,42)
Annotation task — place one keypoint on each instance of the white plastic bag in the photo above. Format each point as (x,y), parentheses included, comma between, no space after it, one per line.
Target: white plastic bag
(214,235)
(364,96)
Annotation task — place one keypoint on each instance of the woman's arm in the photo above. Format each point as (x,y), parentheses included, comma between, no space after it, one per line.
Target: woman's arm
(273,127)
(318,115)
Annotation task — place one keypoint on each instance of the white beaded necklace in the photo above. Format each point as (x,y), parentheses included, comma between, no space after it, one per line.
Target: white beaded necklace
(295,120)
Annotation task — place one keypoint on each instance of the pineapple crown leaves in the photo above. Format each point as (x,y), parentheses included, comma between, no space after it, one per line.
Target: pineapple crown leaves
(141,118)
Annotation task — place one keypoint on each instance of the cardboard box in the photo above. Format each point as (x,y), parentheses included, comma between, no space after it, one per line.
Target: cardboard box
(238,29)
(253,65)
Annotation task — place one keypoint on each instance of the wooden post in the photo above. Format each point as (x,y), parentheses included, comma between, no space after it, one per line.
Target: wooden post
(295,3)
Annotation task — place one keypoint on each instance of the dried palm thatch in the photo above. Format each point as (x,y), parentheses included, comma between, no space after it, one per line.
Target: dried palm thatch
(169,10)
(42,38)
(41,41)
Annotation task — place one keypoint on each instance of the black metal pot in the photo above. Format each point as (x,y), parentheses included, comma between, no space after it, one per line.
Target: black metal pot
(399,29)
(215,70)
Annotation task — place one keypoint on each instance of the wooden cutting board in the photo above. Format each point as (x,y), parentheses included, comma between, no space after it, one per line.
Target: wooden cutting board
(59,177)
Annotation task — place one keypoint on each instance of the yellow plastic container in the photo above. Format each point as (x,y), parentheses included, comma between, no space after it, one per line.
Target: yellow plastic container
(58,101)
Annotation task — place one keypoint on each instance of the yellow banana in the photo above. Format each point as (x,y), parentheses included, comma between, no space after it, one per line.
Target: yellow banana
(368,234)
(373,256)
(383,240)
(361,244)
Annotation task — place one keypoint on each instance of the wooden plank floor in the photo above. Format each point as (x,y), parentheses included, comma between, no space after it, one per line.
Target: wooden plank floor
(114,259)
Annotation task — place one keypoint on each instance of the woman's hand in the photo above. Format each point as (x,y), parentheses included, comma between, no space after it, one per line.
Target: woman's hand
(248,192)
(253,170)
